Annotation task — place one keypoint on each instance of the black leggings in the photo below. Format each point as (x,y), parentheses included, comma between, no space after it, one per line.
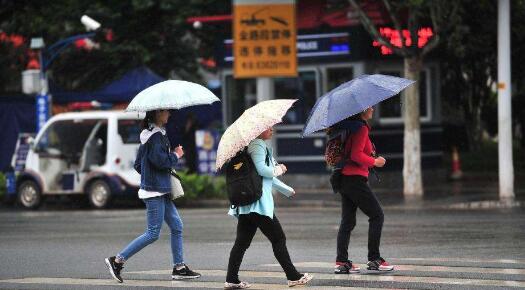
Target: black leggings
(271,228)
(355,193)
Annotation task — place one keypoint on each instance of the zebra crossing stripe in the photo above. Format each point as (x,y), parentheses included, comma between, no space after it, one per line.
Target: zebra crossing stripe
(384,277)
(458,260)
(151,283)
(418,268)
(277,280)
(108,282)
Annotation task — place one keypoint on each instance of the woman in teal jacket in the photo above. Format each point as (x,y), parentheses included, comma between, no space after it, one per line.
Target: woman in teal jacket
(260,214)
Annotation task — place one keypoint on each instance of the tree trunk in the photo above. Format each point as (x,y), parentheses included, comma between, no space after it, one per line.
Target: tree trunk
(412,177)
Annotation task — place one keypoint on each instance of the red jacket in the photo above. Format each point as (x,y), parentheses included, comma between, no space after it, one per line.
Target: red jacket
(360,148)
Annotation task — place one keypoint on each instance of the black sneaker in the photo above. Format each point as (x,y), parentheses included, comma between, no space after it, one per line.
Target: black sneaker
(346,268)
(184,273)
(114,268)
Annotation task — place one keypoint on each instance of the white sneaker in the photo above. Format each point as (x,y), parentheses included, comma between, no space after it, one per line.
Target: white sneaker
(301,282)
(241,285)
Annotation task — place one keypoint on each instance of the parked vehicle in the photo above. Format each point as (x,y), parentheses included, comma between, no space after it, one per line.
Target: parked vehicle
(89,153)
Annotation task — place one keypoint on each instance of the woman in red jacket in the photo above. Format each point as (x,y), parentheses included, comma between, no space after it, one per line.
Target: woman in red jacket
(355,193)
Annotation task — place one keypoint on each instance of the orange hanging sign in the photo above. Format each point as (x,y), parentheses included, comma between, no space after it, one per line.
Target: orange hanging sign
(264,41)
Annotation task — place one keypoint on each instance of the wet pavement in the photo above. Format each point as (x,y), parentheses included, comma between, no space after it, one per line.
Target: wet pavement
(431,248)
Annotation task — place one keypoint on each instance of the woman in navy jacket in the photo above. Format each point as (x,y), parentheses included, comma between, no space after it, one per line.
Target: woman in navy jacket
(153,163)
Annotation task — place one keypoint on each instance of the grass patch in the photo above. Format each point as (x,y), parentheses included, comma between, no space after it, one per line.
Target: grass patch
(3,186)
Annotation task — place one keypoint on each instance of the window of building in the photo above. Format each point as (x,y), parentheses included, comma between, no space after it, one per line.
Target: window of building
(304,87)
(336,76)
(242,94)
(391,110)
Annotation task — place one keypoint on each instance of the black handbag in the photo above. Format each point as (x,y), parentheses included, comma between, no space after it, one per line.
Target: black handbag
(336,179)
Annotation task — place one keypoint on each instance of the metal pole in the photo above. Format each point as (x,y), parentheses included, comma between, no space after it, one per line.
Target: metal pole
(265,92)
(264,89)
(43,105)
(506,168)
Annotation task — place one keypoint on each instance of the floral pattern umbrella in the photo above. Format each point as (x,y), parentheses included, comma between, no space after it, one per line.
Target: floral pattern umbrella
(249,126)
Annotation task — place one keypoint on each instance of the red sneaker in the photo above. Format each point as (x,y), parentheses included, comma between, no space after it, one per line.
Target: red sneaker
(346,268)
(379,265)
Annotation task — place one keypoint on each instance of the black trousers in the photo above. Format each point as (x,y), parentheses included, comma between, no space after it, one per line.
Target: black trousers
(355,193)
(271,228)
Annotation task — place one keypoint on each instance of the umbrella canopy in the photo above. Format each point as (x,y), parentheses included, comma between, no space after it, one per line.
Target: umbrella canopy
(249,126)
(351,98)
(171,94)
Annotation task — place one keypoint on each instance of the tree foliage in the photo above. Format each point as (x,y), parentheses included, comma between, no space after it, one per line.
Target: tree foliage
(412,15)
(154,33)
(469,66)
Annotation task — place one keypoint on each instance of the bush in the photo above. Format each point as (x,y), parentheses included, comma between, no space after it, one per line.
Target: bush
(202,186)
(486,158)
(3,188)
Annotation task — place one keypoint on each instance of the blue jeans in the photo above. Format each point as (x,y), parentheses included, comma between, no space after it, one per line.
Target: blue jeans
(158,209)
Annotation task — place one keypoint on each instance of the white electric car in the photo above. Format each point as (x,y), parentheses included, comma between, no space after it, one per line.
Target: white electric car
(89,153)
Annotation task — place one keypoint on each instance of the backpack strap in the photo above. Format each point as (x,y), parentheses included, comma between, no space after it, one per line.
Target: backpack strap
(346,155)
(374,171)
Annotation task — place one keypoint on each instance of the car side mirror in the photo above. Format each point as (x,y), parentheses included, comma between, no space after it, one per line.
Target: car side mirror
(31,142)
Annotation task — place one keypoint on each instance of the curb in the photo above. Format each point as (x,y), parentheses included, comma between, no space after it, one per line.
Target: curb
(488,204)
(473,205)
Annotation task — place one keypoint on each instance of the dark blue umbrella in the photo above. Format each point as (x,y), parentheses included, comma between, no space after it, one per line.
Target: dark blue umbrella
(351,98)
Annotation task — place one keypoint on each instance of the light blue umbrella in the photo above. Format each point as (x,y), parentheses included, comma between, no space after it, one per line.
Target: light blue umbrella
(351,98)
(171,94)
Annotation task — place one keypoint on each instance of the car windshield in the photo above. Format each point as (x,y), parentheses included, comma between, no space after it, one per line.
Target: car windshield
(67,138)
(129,130)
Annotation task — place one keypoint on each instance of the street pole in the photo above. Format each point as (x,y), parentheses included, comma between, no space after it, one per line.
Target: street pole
(506,168)
(43,106)
(264,88)
(44,102)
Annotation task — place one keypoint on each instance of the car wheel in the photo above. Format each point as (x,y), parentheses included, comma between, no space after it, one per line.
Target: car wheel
(29,194)
(99,194)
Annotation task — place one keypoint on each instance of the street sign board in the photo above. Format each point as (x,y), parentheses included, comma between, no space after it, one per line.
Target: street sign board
(42,110)
(264,38)
(207,142)
(309,46)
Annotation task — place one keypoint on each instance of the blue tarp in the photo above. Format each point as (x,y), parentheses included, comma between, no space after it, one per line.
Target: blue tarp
(119,91)
(17,115)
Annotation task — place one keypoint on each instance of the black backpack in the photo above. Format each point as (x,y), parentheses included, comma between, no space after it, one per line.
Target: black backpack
(243,183)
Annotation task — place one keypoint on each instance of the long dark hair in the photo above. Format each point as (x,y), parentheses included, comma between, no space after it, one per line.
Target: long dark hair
(356,117)
(151,117)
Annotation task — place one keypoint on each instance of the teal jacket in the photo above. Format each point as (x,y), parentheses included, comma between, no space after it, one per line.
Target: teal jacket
(265,205)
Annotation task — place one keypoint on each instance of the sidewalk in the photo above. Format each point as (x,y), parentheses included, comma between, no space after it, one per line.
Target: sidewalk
(474,191)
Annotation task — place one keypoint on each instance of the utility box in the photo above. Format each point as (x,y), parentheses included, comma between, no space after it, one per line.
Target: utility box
(31,81)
